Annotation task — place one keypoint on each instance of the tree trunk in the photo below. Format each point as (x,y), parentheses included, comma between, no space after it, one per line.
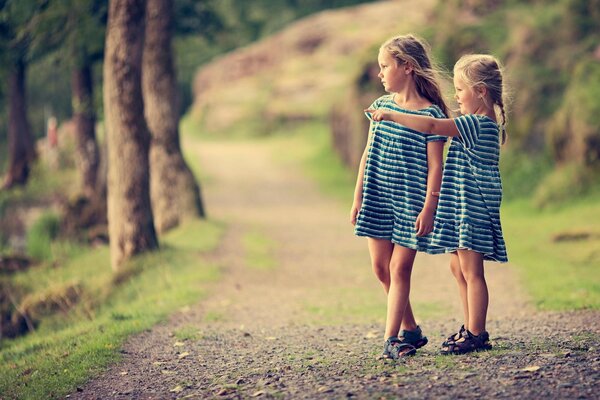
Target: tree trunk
(21,148)
(87,154)
(130,224)
(174,192)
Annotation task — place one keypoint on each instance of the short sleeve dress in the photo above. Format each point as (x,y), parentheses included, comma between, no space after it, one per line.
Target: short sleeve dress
(468,212)
(395,179)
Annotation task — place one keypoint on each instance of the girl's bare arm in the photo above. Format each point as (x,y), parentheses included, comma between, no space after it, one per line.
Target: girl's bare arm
(421,123)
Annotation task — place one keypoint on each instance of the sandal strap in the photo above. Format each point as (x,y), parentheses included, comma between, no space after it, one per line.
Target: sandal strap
(398,349)
(411,336)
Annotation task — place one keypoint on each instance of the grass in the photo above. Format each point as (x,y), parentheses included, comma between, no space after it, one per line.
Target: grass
(258,250)
(188,333)
(68,349)
(560,275)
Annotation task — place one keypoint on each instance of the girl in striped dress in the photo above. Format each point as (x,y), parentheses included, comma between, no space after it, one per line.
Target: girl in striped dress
(398,183)
(468,217)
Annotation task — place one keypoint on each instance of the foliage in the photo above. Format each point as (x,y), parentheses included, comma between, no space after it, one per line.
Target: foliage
(67,349)
(40,236)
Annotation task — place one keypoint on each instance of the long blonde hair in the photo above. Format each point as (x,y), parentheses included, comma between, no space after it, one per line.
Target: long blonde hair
(415,51)
(486,70)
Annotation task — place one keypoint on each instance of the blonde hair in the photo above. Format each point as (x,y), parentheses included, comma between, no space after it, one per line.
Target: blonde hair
(415,51)
(485,70)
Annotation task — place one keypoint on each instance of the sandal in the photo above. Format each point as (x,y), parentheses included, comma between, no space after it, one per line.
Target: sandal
(468,343)
(395,349)
(454,337)
(414,338)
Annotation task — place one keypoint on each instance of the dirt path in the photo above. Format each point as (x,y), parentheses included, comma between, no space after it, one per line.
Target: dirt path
(311,326)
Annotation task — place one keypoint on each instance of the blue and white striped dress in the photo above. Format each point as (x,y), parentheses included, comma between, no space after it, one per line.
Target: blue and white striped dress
(468,212)
(395,179)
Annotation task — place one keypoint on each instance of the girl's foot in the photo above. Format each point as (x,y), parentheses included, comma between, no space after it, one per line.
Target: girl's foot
(468,343)
(454,337)
(414,338)
(395,349)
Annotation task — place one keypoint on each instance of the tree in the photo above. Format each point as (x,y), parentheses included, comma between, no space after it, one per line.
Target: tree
(73,31)
(173,189)
(86,25)
(130,221)
(15,20)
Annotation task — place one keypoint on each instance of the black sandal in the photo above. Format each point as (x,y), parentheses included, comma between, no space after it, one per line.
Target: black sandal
(414,338)
(395,349)
(454,337)
(468,343)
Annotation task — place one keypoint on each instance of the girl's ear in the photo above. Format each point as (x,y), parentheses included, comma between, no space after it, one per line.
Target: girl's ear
(481,91)
(408,68)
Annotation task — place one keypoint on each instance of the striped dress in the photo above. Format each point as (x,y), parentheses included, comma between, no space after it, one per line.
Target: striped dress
(395,179)
(468,212)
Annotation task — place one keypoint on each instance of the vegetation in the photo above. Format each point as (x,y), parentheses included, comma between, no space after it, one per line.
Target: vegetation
(82,311)
(69,347)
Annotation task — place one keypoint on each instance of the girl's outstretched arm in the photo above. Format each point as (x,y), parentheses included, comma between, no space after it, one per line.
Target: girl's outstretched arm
(421,123)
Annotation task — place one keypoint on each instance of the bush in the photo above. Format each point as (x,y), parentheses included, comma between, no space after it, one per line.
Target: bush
(40,236)
(565,183)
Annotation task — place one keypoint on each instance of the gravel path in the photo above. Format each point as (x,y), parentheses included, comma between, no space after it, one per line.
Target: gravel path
(312,326)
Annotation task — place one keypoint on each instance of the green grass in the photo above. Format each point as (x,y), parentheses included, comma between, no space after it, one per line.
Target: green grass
(188,333)
(560,275)
(68,349)
(40,236)
(258,249)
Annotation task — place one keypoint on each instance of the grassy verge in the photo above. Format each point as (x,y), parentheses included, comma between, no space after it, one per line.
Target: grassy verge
(557,252)
(559,275)
(68,348)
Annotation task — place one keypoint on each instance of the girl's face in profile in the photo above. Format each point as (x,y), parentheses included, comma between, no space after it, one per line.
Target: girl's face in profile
(468,99)
(391,74)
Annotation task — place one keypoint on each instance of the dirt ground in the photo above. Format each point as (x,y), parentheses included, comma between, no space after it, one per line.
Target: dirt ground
(312,326)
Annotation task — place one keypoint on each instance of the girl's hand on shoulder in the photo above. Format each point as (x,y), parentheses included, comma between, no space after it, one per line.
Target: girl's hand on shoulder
(354,212)
(424,223)
(378,115)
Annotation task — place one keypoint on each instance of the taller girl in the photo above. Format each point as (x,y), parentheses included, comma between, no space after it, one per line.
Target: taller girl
(468,216)
(398,184)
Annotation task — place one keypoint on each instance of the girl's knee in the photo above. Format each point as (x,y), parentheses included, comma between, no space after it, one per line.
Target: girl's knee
(382,272)
(473,274)
(401,271)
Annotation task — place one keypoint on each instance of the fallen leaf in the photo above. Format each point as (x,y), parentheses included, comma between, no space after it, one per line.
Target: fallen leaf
(167,372)
(371,334)
(324,389)
(122,373)
(179,344)
(270,338)
(183,355)
(531,368)
(158,363)
(176,389)
(258,393)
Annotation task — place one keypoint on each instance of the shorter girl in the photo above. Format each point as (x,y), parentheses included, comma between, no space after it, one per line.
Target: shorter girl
(468,215)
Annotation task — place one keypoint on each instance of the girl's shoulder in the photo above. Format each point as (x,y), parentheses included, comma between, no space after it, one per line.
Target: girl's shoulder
(382,101)
(435,111)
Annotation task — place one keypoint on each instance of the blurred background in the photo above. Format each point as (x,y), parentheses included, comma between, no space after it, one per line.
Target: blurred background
(302,70)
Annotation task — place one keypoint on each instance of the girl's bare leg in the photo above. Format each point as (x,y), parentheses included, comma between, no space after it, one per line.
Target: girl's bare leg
(381,253)
(400,272)
(462,286)
(408,319)
(471,264)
